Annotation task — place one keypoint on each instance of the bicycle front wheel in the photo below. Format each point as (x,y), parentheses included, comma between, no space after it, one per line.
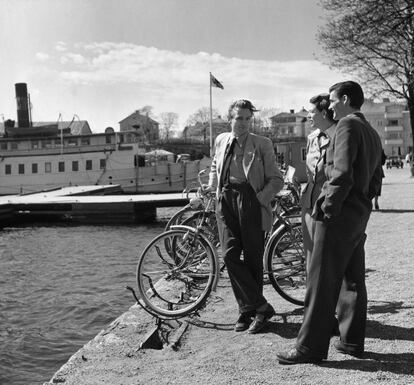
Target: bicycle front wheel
(175,273)
(286,264)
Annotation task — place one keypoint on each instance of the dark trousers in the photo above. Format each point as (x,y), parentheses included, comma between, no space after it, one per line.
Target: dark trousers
(335,281)
(240,229)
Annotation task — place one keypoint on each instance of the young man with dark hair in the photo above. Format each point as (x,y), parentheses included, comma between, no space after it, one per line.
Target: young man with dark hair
(336,275)
(246,178)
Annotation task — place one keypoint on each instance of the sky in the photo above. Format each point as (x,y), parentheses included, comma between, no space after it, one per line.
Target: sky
(100,60)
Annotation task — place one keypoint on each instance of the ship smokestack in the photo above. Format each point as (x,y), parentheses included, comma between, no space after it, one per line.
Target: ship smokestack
(22,100)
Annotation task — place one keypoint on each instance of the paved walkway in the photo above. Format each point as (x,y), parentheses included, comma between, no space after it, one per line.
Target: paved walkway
(212,352)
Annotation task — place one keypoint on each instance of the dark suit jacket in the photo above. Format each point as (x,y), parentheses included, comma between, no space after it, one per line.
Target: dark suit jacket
(260,169)
(353,170)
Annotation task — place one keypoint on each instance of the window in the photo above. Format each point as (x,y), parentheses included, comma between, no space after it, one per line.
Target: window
(89,165)
(85,142)
(393,122)
(7,169)
(35,144)
(21,168)
(108,139)
(61,166)
(48,167)
(13,145)
(102,163)
(3,145)
(34,168)
(75,165)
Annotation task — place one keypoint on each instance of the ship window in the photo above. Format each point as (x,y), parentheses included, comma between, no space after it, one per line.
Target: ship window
(61,166)
(3,145)
(7,169)
(102,163)
(14,145)
(21,168)
(48,167)
(34,168)
(89,164)
(75,165)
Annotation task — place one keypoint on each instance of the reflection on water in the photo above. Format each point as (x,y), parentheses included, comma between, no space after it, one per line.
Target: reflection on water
(59,286)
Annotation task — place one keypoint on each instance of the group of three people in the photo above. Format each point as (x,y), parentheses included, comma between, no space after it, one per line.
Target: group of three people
(344,174)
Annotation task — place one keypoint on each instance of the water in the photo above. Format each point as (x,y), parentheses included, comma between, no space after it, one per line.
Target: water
(59,286)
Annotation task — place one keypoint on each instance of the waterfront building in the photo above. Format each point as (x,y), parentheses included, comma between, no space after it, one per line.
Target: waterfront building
(391,119)
(289,133)
(147,128)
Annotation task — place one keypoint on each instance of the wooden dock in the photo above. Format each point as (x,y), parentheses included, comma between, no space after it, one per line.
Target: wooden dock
(85,204)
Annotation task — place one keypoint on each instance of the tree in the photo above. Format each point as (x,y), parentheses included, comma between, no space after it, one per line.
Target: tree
(202,116)
(146,110)
(373,39)
(169,120)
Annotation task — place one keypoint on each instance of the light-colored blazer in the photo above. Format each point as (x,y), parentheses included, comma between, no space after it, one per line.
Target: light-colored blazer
(260,169)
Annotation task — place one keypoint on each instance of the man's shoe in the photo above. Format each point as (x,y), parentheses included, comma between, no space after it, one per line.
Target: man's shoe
(261,319)
(293,357)
(352,350)
(244,320)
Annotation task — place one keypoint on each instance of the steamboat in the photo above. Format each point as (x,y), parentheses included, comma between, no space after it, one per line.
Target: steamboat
(38,157)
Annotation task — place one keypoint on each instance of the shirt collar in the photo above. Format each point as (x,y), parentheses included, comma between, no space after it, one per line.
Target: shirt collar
(240,139)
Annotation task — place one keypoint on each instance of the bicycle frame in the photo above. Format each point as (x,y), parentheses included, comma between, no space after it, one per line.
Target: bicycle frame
(195,233)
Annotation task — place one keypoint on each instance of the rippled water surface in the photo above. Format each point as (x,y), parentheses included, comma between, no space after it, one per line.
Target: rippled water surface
(59,286)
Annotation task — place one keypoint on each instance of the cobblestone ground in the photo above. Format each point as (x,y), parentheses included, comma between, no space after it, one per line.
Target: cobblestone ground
(213,353)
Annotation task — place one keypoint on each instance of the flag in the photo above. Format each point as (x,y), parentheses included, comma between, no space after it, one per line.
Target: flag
(215,83)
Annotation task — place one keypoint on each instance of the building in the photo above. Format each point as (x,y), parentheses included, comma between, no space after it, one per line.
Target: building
(391,119)
(289,133)
(201,131)
(148,127)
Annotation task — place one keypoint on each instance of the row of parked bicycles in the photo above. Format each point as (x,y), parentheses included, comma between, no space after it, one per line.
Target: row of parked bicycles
(179,268)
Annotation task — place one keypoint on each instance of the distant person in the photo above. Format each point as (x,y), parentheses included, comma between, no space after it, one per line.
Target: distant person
(336,275)
(246,178)
(383,160)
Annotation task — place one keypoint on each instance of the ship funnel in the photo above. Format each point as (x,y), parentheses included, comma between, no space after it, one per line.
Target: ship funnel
(22,100)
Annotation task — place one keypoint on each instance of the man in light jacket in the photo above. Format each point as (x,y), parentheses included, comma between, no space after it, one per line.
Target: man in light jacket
(246,177)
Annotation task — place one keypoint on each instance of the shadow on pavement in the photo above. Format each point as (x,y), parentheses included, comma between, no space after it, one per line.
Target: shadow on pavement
(383,307)
(393,211)
(398,363)
(388,332)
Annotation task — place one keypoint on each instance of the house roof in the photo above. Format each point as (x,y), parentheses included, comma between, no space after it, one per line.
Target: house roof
(140,115)
(79,127)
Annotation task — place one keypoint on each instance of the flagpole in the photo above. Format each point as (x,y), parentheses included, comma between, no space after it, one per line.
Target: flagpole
(211,120)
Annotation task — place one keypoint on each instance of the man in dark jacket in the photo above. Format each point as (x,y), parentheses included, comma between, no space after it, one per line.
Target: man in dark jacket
(336,277)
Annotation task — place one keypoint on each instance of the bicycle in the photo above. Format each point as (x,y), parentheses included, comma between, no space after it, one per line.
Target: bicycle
(180,267)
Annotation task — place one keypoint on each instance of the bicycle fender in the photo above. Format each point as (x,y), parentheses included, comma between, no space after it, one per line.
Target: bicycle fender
(269,241)
(212,248)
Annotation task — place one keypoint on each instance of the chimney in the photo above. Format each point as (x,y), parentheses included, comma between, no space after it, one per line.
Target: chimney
(22,100)
(292,111)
